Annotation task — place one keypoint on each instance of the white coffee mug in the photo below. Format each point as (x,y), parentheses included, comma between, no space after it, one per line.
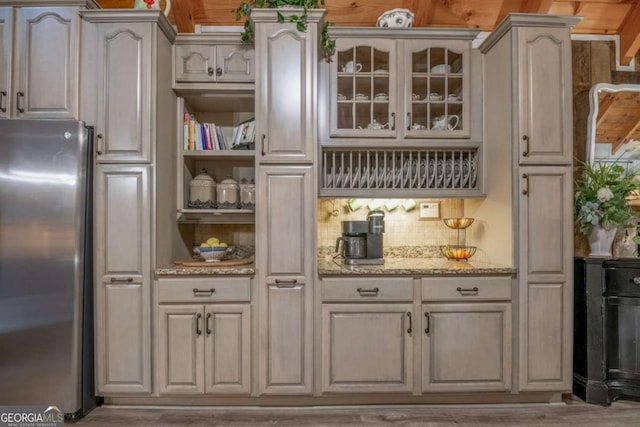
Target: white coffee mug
(348,67)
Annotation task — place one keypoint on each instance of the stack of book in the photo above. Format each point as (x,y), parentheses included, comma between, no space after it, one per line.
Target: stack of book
(208,136)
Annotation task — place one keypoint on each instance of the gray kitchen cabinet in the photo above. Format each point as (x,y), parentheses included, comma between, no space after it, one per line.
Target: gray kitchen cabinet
(528,70)
(129,51)
(211,58)
(544,98)
(285,225)
(466,347)
(546,275)
(204,348)
(286,92)
(415,84)
(123,278)
(39,60)
(367,348)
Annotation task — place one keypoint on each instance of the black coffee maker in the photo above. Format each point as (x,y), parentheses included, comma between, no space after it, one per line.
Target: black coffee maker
(362,240)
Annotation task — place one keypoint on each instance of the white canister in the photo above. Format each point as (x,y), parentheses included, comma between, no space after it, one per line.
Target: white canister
(202,191)
(248,195)
(228,193)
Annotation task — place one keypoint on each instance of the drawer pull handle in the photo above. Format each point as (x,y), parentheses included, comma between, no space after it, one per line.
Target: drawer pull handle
(3,101)
(467,291)
(636,280)
(428,321)
(207,324)
(286,283)
(525,140)
(203,292)
(368,292)
(121,279)
(19,98)
(198,330)
(410,329)
(525,190)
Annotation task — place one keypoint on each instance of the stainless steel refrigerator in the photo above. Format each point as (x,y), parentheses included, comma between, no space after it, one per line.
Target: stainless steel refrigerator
(46,303)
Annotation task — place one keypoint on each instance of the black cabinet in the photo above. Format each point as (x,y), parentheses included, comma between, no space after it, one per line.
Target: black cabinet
(606,358)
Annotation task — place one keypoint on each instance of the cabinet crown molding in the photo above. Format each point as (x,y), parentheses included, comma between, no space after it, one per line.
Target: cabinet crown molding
(405,33)
(129,16)
(213,38)
(514,20)
(271,15)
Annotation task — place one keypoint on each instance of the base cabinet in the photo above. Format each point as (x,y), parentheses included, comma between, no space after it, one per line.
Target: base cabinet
(466,347)
(367,348)
(204,349)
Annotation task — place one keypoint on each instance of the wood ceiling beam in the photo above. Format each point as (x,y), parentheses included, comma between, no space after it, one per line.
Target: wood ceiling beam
(507,7)
(422,11)
(183,16)
(630,36)
(604,106)
(626,134)
(536,6)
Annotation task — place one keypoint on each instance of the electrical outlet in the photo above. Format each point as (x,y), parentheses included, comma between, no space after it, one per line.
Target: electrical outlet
(429,210)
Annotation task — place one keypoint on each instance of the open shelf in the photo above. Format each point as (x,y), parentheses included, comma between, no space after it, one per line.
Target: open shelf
(216,216)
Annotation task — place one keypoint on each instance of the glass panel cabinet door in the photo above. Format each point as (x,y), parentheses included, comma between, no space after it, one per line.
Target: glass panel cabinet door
(436,89)
(363,90)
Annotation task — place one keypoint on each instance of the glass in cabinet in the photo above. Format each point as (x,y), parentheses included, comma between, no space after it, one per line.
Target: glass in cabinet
(364,94)
(436,88)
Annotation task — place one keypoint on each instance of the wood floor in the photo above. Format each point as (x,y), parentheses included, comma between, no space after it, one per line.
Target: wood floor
(573,413)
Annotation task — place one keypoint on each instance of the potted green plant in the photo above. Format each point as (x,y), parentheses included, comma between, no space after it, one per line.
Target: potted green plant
(243,11)
(601,203)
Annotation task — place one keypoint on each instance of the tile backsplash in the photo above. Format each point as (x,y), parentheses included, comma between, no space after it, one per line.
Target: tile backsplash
(402,228)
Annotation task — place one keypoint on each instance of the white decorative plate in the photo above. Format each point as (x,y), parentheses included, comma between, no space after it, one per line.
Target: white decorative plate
(396,18)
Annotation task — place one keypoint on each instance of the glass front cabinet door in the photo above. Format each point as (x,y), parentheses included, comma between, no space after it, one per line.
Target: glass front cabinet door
(436,88)
(364,88)
(401,88)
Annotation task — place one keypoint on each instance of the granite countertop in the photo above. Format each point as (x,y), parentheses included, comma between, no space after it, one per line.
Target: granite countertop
(328,266)
(177,270)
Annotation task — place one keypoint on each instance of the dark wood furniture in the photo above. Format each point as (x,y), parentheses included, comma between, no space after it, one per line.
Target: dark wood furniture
(606,356)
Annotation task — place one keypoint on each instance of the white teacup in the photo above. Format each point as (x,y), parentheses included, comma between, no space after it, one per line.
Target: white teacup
(415,96)
(445,122)
(349,67)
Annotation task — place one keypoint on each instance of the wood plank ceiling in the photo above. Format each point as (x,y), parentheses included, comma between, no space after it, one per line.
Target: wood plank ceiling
(600,16)
(618,119)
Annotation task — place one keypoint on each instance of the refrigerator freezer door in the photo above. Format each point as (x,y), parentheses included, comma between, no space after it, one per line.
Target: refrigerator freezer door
(43,170)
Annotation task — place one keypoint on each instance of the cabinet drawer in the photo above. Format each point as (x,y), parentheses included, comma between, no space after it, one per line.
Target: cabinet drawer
(466,288)
(204,289)
(370,289)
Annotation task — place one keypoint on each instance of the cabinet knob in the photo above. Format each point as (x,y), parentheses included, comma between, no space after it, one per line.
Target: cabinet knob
(525,141)
(218,71)
(210,71)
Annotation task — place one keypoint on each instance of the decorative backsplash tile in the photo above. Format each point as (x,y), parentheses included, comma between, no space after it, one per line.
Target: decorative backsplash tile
(402,228)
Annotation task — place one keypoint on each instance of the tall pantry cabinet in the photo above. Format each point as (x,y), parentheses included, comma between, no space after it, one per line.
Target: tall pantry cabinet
(527,62)
(286,135)
(127,95)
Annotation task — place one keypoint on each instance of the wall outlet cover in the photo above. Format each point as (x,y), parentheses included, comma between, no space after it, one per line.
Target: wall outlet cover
(429,210)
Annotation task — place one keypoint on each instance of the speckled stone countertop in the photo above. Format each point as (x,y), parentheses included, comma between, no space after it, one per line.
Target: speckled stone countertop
(328,266)
(240,270)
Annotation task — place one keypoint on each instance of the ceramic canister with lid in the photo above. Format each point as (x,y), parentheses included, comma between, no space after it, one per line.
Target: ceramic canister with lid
(228,193)
(247,195)
(202,191)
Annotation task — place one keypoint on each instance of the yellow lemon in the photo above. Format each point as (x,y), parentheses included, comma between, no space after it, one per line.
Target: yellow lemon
(213,241)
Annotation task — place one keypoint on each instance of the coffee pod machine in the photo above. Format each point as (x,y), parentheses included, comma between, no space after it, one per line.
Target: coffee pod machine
(362,240)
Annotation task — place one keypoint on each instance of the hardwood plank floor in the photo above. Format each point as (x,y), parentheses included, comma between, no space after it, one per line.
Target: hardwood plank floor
(573,412)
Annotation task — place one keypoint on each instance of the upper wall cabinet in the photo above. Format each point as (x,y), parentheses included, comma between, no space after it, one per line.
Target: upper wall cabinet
(39,62)
(211,58)
(403,84)
(126,52)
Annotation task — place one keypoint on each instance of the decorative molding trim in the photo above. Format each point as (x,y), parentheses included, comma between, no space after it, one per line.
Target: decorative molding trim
(129,16)
(405,33)
(271,15)
(90,4)
(209,38)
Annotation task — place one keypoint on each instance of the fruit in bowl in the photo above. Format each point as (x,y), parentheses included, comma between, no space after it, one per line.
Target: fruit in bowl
(211,253)
(213,250)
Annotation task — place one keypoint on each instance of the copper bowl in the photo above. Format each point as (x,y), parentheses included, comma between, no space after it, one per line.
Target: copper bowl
(458,223)
(458,252)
